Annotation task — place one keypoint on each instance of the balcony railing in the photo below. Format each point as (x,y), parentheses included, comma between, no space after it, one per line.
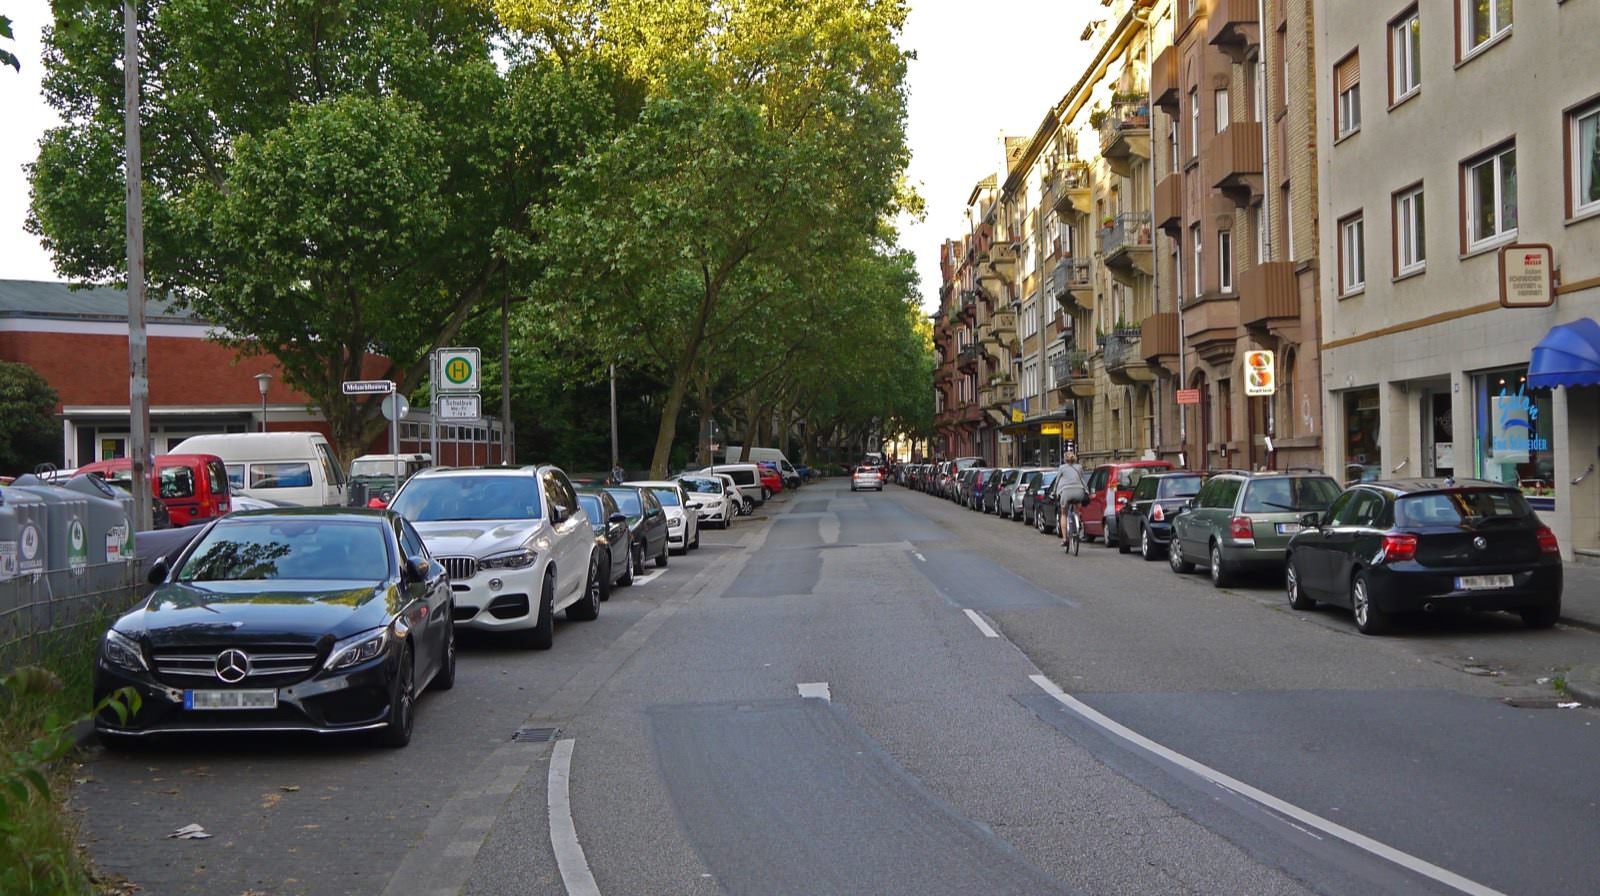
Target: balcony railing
(1122,349)
(1127,230)
(1158,335)
(1169,202)
(1267,292)
(1071,365)
(1117,123)
(1164,78)
(1232,161)
(968,355)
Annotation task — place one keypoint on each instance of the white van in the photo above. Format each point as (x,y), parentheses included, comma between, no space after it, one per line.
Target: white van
(285,467)
(791,477)
(746,476)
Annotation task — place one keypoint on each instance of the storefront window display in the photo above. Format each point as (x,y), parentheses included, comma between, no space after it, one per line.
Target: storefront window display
(1513,432)
(1363,458)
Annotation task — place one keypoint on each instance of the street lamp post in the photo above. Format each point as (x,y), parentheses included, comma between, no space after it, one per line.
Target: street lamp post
(262,381)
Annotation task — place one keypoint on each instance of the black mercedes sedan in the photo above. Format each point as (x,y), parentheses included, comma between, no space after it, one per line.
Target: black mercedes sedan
(323,620)
(1417,545)
(611,533)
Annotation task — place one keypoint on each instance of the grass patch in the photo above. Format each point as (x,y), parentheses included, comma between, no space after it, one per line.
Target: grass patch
(39,704)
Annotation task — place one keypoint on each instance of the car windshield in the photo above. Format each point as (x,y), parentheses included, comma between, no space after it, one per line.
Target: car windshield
(474,497)
(289,548)
(667,495)
(702,486)
(1289,494)
(1455,508)
(1177,486)
(591,508)
(627,500)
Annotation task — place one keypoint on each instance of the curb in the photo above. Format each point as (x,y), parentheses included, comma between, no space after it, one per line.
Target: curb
(1584,685)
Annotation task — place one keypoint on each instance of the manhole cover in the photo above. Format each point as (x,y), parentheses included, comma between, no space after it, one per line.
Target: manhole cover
(536,735)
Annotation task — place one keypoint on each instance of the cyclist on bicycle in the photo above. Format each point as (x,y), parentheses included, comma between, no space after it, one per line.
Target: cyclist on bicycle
(1068,490)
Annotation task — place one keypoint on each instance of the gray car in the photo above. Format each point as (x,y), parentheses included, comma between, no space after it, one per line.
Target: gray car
(1242,520)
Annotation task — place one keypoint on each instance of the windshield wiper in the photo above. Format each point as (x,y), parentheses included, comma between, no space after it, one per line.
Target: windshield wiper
(1279,506)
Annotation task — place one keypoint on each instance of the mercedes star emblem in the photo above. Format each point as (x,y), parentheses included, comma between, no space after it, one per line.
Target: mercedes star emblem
(1479,542)
(233,666)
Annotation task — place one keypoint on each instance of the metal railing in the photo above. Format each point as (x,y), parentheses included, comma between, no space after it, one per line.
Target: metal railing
(1129,229)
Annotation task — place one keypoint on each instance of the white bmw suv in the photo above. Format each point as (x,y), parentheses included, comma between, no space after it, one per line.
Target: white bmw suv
(516,544)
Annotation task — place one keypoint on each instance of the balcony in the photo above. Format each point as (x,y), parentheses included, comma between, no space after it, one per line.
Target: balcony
(1072,375)
(1073,194)
(1003,325)
(1158,339)
(967,358)
(1268,294)
(1211,326)
(1164,80)
(1070,283)
(1232,162)
(1125,133)
(1124,360)
(998,395)
(1168,203)
(1125,244)
(1234,27)
(969,305)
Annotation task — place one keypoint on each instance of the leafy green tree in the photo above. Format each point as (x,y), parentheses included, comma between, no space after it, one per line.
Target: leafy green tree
(6,56)
(326,181)
(29,432)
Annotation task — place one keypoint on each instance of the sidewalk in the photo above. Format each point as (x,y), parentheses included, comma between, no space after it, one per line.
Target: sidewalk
(1580,606)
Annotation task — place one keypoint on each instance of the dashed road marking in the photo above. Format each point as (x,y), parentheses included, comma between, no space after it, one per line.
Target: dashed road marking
(818,689)
(918,555)
(983,626)
(570,860)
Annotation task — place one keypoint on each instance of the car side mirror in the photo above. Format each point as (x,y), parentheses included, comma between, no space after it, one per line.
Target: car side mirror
(417,568)
(158,571)
(1311,520)
(617,518)
(558,514)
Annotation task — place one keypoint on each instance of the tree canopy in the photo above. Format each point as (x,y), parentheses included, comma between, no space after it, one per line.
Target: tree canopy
(29,433)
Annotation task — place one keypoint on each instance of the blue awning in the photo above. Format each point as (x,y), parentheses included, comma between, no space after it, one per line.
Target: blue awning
(1568,355)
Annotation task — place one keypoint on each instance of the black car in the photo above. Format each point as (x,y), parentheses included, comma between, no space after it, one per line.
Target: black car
(1413,545)
(647,522)
(1039,490)
(324,620)
(611,533)
(989,501)
(1146,520)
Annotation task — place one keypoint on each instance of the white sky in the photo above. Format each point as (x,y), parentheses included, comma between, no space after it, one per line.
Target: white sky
(984,68)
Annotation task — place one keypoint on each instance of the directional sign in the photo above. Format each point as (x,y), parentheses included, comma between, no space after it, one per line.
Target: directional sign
(367,387)
(1260,377)
(460,407)
(458,369)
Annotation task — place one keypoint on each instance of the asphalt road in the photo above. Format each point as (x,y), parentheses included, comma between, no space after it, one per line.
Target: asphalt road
(886,693)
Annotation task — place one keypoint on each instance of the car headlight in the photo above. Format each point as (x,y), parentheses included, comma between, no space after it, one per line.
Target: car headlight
(352,651)
(518,559)
(674,523)
(123,652)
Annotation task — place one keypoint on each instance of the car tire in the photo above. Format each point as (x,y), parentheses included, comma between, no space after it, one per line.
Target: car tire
(587,608)
(766,494)
(1540,617)
(605,578)
(1222,574)
(1147,548)
(543,633)
(396,732)
(445,678)
(662,559)
(1293,589)
(1369,619)
(695,545)
(627,575)
(852,486)
(1175,558)
(1123,545)
(1038,522)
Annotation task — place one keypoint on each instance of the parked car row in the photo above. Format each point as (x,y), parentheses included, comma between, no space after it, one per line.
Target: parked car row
(333,620)
(1379,548)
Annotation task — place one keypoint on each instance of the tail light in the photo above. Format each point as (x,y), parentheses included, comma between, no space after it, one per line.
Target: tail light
(1122,498)
(1399,547)
(1547,542)
(1156,513)
(1241,528)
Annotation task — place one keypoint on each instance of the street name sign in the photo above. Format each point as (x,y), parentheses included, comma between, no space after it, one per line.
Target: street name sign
(367,387)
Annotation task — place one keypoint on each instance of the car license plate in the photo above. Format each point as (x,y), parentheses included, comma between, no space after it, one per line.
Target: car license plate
(1288,528)
(1483,583)
(230,699)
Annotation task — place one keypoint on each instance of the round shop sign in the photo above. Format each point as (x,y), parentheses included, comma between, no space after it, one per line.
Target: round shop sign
(77,547)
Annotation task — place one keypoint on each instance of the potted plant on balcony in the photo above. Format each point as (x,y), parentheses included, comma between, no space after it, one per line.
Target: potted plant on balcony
(1097,115)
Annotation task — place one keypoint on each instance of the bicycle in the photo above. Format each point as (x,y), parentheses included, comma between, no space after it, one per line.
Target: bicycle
(1074,533)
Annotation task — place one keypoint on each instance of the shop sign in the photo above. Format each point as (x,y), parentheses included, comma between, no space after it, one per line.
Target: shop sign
(1526,272)
(1069,429)
(1016,415)
(1515,419)
(1049,429)
(1260,377)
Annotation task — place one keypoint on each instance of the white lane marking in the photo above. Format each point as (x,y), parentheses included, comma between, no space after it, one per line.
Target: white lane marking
(1360,841)
(988,631)
(647,578)
(918,555)
(818,689)
(570,861)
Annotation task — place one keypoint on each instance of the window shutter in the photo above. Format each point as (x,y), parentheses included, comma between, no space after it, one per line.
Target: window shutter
(1347,74)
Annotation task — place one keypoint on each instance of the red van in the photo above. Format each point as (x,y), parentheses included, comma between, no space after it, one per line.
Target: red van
(194,487)
(1109,487)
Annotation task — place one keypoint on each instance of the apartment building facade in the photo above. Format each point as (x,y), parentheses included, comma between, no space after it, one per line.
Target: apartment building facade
(1458,139)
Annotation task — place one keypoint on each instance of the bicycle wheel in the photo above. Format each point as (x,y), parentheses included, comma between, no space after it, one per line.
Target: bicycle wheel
(1075,541)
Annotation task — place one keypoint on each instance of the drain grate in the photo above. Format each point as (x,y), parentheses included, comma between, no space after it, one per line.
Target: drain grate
(536,735)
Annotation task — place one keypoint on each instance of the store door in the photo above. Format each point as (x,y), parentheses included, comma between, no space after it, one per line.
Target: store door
(1438,450)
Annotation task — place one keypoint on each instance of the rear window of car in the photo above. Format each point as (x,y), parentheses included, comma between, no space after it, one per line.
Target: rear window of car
(591,508)
(1177,486)
(628,500)
(1128,477)
(667,496)
(1289,494)
(703,486)
(176,482)
(1461,507)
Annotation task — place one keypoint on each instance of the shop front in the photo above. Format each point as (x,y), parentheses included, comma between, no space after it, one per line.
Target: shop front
(1042,441)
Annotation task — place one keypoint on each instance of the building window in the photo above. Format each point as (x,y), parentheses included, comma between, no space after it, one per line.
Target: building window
(1194,231)
(1405,55)
(1347,93)
(1352,254)
(1288,223)
(1490,196)
(1584,161)
(1172,142)
(1482,21)
(1260,213)
(1194,122)
(1222,109)
(1225,261)
(1410,245)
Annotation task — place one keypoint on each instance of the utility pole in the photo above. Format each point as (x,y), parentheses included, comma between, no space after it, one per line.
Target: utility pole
(614,459)
(138,348)
(506,452)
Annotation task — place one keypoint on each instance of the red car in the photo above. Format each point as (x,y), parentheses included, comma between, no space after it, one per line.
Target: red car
(194,487)
(1110,487)
(771,479)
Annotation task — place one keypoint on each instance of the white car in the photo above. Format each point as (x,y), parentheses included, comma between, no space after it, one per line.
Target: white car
(742,504)
(866,477)
(711,500)
(517,546)
(683,521)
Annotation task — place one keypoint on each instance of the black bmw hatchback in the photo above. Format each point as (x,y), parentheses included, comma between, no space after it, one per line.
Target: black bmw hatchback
(1415,545)
(320,620)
